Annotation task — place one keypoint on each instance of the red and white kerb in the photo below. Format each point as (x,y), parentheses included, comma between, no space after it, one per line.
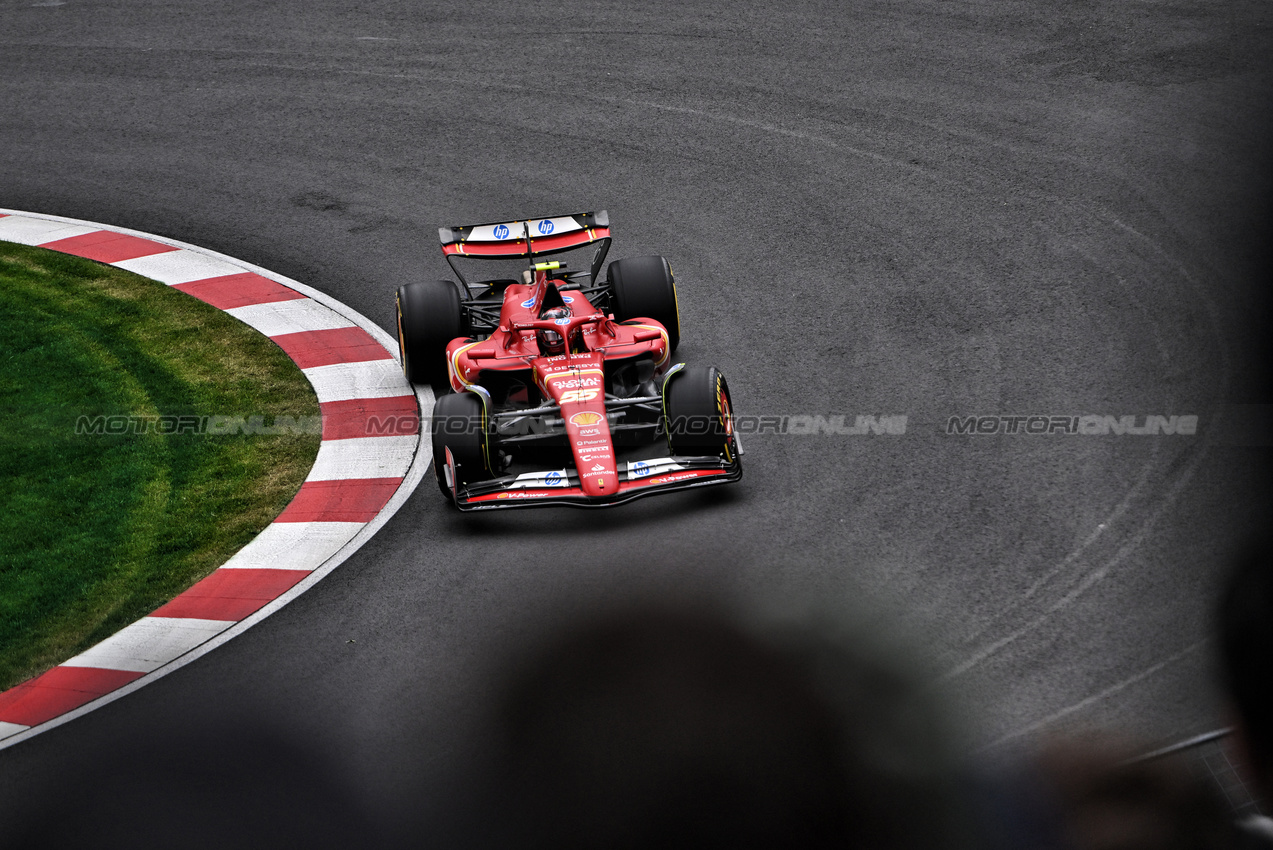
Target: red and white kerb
(361,476)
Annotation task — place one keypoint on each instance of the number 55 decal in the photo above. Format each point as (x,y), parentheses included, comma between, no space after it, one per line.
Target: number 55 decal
(576,396)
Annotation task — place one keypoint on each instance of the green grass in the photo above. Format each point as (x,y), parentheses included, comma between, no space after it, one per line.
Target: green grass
(97,530)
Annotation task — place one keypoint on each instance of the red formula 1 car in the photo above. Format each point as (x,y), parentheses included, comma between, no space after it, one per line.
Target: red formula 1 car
(564,386)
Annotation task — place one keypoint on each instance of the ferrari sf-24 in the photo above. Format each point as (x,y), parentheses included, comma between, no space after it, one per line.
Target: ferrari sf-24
(554,386)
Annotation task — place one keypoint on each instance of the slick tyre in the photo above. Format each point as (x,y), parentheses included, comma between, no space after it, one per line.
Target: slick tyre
(459,424)
(428,318)
(642,288)
(697,413)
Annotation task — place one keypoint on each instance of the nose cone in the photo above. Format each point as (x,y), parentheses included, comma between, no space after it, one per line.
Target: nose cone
(594,453)
(599,483)
(578,385)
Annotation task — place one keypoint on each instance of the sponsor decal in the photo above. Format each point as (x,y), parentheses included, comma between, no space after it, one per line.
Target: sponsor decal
(668,479)
(567,299)
(598,468)
(521,494)
(576,396)
(564,321)
(501,231)
(577,382)
(590,442)
(587,432)
(601,482)
(529,302)
(546,227)
(553,479)
(640,469)
(571,373)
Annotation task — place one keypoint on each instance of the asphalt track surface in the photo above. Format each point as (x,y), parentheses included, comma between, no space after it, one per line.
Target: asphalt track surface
(918,208)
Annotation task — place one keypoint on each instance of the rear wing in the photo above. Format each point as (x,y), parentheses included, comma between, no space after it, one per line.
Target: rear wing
(513,239)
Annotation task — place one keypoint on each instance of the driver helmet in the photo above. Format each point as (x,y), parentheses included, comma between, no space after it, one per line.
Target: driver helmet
(551,342)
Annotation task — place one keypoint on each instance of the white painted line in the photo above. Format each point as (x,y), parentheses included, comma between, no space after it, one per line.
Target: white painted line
(293,545)
(149,644)
(363,457)
(1196,740)
(7,729)
(289,317)
(35,231)
(371,379)
(173,267)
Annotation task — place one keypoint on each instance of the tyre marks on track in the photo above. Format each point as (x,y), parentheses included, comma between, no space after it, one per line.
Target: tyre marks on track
(1142,506)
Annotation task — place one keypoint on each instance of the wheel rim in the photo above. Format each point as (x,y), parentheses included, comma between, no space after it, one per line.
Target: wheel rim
(726,417)
(726,413)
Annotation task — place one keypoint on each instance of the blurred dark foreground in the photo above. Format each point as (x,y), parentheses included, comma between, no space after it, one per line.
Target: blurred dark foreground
(644,725)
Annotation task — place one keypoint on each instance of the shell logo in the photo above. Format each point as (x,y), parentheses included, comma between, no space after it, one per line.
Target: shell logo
(585,418)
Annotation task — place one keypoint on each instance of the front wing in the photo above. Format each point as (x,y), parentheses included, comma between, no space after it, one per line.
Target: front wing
(561,486)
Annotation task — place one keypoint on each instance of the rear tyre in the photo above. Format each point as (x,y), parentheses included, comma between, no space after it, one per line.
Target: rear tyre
(459,424)
(697,413)
(642,287)
(428,318)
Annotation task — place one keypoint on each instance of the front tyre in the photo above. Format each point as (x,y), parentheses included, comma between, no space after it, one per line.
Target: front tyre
(429,317)
(642,288)
(698,415)
(459,424)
